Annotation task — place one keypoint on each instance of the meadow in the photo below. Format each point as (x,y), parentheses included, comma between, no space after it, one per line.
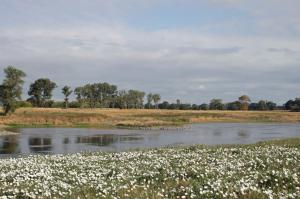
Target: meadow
(135,118)
(263,170)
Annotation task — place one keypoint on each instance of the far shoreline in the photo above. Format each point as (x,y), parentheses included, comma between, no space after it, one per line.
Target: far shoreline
(146,119)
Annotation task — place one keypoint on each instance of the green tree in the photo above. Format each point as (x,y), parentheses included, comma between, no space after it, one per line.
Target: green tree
(135,99)
(41,92)
(79,95)
(149,100)
(67,91)
(204,107)
(156,98)
(244,100)
(216,104)
(234,106)
(262,105)
(11,89)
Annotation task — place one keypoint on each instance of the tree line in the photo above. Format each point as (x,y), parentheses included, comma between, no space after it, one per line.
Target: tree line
(105,95)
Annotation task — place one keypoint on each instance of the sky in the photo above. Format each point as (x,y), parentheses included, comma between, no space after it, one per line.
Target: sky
(193,50)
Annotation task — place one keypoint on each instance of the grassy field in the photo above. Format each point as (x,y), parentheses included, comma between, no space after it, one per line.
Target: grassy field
(262,170)
(111,118)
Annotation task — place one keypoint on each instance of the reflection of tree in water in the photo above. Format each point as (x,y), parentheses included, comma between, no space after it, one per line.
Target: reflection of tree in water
(8,144)
(243,133)
(66,141)
(40,145)
(217,132)
(98,140)
(130,138)
(105,140)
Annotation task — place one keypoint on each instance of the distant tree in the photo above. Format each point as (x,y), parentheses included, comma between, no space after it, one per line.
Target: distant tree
(79,96)
(66,90)
(289,104)
(11,89)
(164,105)
(149,100)
(185,107)
(195,107)
(253,106)
(293,105)
(41,92)
(262,105)
(173,106)
(204,107)
(234,106)
(244,100)
(122,99)
(134,99)
(156,98)
(216,104)
(271,105)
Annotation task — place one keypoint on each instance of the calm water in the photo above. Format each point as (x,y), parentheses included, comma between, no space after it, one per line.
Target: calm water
(70,140)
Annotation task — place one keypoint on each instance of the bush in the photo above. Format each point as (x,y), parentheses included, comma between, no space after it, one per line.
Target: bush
(24,104)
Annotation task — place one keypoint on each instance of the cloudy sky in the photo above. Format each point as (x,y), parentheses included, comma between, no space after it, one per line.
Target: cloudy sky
(193,50)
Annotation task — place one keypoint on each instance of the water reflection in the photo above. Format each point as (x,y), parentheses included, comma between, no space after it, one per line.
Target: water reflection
(40,145)
(243,133)
(99,140)
(8,144)
(64,140)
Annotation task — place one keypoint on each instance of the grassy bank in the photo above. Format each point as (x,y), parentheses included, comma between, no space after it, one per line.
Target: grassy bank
(111,118)
(263,170)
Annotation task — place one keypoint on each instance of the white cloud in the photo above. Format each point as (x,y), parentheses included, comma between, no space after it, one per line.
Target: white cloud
(177,62)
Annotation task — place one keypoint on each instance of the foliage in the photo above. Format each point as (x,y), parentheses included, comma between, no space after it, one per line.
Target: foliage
(234,106)
(41,92)
(156,98)
(293,105)
(11,89)
(244,100)
(216,104)
(97,95)
(67,91)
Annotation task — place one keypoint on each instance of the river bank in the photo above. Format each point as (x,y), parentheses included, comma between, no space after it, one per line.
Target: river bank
(140,118)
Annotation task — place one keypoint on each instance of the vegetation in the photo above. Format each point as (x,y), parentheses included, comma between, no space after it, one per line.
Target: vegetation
(105,95)
(66,90)
(293,105)
(135,118)
(263,170)
(41,92)
(11,89)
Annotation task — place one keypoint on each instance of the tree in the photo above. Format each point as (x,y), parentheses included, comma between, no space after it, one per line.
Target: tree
(135,99)
(234,106)
(262,105)
(66,90)
(271,105)
(293,105)
(149,100)
(216,104)
(289,104)
(164,105)
(41,92)
(79,95)
(156,98)
(245,100)
(11,89)
(204,107)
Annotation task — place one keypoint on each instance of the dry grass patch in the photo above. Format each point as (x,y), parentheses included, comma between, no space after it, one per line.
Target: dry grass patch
(137,117)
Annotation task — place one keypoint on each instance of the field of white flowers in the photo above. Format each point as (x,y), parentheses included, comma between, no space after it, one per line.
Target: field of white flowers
(253,171)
